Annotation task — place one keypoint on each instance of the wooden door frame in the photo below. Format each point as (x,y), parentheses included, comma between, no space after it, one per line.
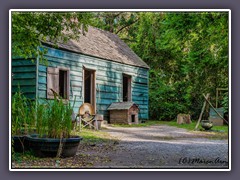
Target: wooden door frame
(93,87)
(129,86)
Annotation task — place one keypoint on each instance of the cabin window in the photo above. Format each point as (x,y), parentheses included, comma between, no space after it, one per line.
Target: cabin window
(127,90)
(58,82)
(63,84)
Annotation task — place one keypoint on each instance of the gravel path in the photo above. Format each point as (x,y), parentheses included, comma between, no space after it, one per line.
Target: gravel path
(164,146)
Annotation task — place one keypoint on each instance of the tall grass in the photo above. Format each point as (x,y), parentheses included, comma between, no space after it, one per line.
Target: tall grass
(54,119)
(20,114)
(41,119)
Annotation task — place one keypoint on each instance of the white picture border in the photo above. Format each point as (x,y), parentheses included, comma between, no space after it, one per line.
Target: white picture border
(122,10)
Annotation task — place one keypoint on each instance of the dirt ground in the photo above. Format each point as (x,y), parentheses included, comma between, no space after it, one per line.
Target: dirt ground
(161,146)
(158,146)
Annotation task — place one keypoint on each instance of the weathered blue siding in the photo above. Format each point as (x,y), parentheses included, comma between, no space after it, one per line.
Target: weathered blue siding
(24,77)
(108,80)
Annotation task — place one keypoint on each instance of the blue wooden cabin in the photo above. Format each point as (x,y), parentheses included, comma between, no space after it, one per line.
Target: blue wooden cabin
(99,68)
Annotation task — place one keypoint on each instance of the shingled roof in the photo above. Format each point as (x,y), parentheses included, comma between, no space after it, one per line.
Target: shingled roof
(121,105)
(103,44)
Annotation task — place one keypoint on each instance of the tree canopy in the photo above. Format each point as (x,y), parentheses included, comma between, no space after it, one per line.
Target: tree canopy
(187,53)
(31,29)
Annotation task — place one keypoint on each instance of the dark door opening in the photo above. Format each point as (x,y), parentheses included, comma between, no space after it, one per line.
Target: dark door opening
(126,88)
(89,87)
(63,84)
(133,118)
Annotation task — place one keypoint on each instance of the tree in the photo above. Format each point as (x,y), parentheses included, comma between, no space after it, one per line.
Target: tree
(188,56)
(120,23)
(31,29)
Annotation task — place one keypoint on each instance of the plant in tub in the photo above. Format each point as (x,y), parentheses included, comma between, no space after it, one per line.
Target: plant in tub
(54,125)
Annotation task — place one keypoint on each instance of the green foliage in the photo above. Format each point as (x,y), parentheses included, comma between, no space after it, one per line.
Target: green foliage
(59,121)
(22,117)
(226,102)
(41,119)
(22,114)
(188,56)
(116,22)
(52,119)
(31,29)
(164,101)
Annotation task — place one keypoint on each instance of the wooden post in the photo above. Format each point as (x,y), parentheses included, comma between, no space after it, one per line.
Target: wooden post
(80,123)
(60,148)
(204,105)
(214,109)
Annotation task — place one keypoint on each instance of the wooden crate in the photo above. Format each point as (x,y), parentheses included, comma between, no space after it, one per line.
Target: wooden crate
(216,121)
(214,117)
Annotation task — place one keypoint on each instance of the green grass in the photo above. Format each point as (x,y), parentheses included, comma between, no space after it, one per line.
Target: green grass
(192,126)
(219,132)
(147,123)
(172,123)
(92,136)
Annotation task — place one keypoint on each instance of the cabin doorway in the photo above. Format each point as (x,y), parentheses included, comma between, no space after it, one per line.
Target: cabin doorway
(90,87)
(127,90)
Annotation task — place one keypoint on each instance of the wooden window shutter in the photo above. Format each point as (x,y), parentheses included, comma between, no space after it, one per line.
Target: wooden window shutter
(52,81)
